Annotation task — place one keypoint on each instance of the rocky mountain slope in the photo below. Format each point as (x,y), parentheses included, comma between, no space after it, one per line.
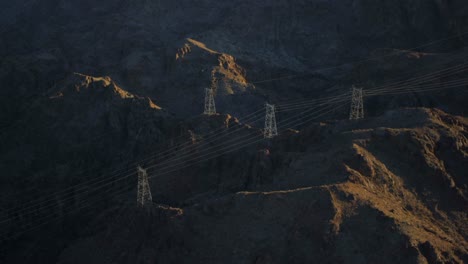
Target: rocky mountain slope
(88,88)
(137,44)
(83,126)
(334,193)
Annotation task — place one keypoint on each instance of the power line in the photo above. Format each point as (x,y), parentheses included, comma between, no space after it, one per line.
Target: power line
(427,77)
(71,188)
(315,70)
(131,174)
(172,160)
(270,129)
(144,191)
(202,156)
(416,47)
(181,147)
(157,164)
(230,150)
(357,104)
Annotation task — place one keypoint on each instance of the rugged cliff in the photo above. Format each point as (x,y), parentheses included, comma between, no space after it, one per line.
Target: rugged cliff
(388,189)
(89,90)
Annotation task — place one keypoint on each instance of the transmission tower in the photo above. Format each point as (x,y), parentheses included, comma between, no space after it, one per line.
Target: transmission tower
(270,122)
(210,108)
(144,192)
(357,104)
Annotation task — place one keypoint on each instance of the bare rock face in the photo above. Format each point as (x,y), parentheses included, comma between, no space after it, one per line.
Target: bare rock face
(80,108)
(340,192)
(210,69)
(101,125)
(225,74)
(138,44)
(90,87)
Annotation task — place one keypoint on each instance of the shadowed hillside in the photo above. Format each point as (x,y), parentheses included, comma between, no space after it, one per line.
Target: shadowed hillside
(324,193)
(91,90)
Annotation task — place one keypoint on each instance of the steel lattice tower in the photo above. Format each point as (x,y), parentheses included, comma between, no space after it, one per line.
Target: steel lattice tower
(270,122)
(144,192)
(210,108)
(357,104)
